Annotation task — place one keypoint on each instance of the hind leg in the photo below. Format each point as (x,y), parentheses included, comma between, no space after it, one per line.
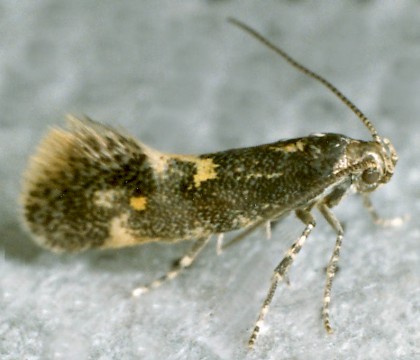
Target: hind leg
(184,262)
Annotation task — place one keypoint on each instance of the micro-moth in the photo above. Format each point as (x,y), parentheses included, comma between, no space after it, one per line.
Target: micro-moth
(91,186)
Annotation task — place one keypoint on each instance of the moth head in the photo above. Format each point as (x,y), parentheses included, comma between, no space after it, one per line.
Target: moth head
(374,163)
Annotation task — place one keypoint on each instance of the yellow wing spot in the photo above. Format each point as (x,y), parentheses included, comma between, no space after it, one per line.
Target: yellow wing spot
(206,170)
(138,203)
(293,147)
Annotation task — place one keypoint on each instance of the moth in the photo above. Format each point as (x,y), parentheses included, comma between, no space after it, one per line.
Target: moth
(92,186)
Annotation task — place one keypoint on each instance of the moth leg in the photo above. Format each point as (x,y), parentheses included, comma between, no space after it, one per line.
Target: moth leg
(180,265)
(332,264)
(268,224)
(249,230)
(280,272)
(377,219)
(268,229)
(268,235)
(219,243)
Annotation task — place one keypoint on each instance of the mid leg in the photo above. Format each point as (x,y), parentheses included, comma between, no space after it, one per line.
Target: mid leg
(280,272)
(332,264)
(180,265)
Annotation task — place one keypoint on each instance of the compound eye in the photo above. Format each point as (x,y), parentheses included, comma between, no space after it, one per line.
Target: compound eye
(370,176)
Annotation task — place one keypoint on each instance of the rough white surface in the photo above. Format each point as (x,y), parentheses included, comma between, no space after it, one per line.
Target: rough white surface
(177,76)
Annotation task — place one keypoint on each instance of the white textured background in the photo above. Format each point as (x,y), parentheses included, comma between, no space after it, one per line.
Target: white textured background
(178,77)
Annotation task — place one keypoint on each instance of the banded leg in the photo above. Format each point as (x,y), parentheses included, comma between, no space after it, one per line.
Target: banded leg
(332,264)
(219,243)
(378,220)
(268,229)
(280,272)
(180,265)
(249,230)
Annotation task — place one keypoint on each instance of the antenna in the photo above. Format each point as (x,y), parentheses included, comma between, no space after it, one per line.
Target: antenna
(310,73)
